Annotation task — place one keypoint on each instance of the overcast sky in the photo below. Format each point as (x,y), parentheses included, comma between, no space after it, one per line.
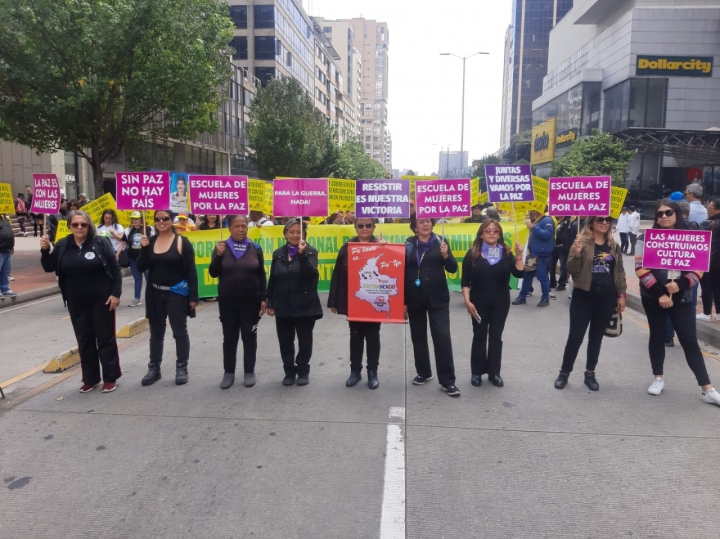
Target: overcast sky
(426,88)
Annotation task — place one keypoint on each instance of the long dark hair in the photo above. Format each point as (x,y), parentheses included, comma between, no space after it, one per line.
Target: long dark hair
(478,243)
(679,220)
(110,213)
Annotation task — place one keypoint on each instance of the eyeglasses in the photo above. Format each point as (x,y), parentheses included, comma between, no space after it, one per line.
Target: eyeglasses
(602,220)
(163,219)
(666,213)
(360,226)
(79,225)
(491,231)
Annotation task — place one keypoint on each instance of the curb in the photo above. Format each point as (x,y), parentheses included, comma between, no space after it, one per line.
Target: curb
(133,328)
(25,297)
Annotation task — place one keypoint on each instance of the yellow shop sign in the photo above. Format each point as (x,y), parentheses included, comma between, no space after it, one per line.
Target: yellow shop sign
(675,66)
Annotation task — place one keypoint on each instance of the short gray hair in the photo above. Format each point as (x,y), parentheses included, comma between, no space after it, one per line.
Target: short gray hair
(684,208)
(695,189)
(92,231)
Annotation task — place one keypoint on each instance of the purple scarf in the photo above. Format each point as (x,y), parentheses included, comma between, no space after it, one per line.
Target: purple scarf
(492,254)
(238,248)
(292,251)
(426,246)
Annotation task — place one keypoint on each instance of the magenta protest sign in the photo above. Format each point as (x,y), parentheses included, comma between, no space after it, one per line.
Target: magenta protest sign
(219,195)
(436,199)
(46,194)
(582,195)
(683,250)
(301,197)
(143,190)
(382,198)
(509,183)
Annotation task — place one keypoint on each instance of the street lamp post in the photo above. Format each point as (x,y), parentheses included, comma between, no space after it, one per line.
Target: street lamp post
(462,120)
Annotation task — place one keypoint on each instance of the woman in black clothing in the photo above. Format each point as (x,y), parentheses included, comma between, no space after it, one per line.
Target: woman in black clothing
(90,281)
(487,267)
(211,222)
(171,292)
(338,303)
(713,276)
(294,302)
(239,265)
(666,297)
(427,259)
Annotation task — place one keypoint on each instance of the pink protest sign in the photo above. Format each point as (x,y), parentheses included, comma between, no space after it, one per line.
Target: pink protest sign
(219,195)
(46,194)
(301,197)
(143,190)
(683,250)
(436,199)
(582,195)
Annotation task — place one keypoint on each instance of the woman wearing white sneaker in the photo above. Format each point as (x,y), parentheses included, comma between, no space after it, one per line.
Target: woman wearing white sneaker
(663,298)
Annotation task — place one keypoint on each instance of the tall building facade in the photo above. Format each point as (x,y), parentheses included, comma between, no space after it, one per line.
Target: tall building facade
(453,164)
(526,60)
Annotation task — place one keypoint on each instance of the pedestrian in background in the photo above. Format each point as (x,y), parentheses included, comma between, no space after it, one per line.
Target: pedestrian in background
(710,281)
(664,296)
(633,224)
(487,268)
(427,258)
(171,293)
(212,222)
(599,290)
(7,248)
(560,254)
(360,332)
(111,229)
(697,213)
(54,220)
(239,266)
(21,212)
(293,300)
(541,245)
(132,238)
(622,228)
(90,282)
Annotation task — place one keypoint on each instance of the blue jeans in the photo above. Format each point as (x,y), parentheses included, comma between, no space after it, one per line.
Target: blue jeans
(138,276)
(542,275)
(5,266)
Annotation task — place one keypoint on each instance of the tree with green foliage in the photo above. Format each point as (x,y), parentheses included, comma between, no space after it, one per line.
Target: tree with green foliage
(479,171)
(598,155)
(287,135)
(355,164)
(93,76)
(518,151)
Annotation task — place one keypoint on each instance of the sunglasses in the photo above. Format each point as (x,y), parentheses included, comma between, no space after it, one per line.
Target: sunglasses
(602,220)
(491,231)
(163,219)
(360,226)
(79,225)
(665,213)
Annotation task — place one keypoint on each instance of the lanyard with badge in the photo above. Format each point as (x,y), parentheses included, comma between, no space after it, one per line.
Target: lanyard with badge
(419,259)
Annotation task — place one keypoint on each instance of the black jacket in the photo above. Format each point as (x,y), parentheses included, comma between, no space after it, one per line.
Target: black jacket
(292,287)
(488,284)
(715,245)
(188,256)
(102,247)
(7,238)
(433,290)
(258,291)
(338,297)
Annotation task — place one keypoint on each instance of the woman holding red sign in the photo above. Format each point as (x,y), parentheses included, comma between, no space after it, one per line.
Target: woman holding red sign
(664,296)
(487,267)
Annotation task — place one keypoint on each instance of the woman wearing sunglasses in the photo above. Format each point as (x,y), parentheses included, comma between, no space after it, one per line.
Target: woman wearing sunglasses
(670,296)
(599,290)
(427,259)
(487,267)
(360,332)
(171,292)
(90,281)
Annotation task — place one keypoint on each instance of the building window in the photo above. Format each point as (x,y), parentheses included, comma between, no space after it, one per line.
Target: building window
(265,74)
(264,47)
(240,46)
(264,16)
(238,14)
(327,29)
(617,107)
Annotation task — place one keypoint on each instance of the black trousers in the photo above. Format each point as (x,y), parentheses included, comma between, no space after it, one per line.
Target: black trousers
(94,326)
(592,308)
(287,329)
(360,332)
(707,291)
(561,256)
(442,345)
(239,318)
(486,356)
(169,305)
(682,316)
(633,241)
(624,242)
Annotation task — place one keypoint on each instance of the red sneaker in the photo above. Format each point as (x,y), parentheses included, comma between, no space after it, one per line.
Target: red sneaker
(109,387)
(87,388)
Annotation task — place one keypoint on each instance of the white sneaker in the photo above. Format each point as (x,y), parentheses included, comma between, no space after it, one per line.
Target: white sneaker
(706,317)
(711,397)
(135,303)
(657,387)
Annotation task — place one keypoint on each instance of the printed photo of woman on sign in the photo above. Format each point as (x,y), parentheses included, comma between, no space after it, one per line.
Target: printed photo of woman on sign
(178,188)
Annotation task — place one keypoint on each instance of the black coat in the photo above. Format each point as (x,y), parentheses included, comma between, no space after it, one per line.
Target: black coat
(715,245)
(338,297)
(489,285)
(292,287)
(433,291)
(102,247)
(7,238)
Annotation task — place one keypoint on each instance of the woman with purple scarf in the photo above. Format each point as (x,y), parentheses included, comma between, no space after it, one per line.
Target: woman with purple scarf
(294,302)
(239,266)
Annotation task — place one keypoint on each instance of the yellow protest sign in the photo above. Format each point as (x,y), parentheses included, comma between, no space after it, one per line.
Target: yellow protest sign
(474,191)
(617,199)
(342,195)
(124,217)
(7,202)
(256,195)
(541,189)
(269,193)
(96,208)
(62,230)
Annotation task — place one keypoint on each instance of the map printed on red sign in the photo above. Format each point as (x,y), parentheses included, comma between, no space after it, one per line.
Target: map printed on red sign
(376,282)
(46,194)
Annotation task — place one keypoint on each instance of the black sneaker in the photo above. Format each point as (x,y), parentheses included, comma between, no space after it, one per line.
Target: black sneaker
(544,303)
(670,343)
(303,380)
(420,379)
(561,288)
(520,301)
(451,390)
(289,380)
(562,380)
(591,381)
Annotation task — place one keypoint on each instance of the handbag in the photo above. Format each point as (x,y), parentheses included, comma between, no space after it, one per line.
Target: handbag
(614,327)
(531,263)
(124,259)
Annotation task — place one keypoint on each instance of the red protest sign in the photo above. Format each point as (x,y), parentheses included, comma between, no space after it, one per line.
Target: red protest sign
(376,282)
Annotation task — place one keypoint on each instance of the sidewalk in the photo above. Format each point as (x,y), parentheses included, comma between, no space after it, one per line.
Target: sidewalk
(31,282)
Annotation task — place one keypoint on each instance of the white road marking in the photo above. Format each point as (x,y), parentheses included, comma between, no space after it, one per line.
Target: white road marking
(392,521)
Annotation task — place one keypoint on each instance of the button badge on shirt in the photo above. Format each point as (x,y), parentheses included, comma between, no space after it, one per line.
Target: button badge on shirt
(90,255)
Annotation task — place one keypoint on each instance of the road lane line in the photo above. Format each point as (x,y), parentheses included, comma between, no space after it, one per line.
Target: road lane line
(22,376)
(392,521)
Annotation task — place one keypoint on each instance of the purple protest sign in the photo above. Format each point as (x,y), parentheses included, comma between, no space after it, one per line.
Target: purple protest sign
(219,195)
(382,198)
(46,194)
(582,195)
(509,183)
(436,199)
(301,197)
(682,250)
(143,190)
